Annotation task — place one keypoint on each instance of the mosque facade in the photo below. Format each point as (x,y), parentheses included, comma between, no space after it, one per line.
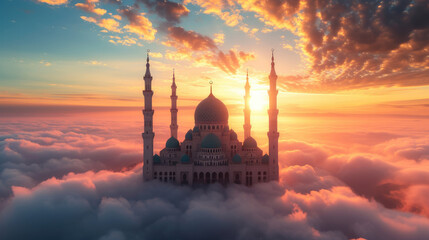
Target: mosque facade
(210,152)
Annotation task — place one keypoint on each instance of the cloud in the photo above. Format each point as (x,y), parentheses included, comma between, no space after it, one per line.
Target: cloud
(184,40)
(76,181)
(54,2)
(109,24)
(95,62)
(228,62)
(187,42)
(383,173)
(409,148)
(170,11)
(89,6)
(359,44)
(138,24)
(46,63)
(274,13)
(29,158)
(219,38)
(347,45)
(125,41)
(225,10)
(107,204)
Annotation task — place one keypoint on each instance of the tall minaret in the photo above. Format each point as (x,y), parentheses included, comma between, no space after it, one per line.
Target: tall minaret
(247,125)
(148,133)
(273,134)
(173,110)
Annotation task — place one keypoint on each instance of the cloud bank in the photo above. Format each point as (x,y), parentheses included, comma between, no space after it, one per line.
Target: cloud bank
(75,183)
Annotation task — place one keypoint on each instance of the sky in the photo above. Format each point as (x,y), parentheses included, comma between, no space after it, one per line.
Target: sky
(353,79)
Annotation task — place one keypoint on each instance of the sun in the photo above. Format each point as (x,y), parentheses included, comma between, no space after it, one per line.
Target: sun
(258,100)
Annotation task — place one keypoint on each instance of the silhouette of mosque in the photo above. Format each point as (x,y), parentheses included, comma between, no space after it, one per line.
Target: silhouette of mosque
(211,151)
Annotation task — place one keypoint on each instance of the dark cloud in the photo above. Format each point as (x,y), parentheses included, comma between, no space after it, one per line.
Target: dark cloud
(118,2)
(171,11)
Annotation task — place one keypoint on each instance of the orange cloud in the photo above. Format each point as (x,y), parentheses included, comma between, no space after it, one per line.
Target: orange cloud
(277,14)
(225,10)
(126,41)
(228,62)
(352,45)
(138,24)
(53,2)
(184,40)
(89,6)
(107,23)
(203,49)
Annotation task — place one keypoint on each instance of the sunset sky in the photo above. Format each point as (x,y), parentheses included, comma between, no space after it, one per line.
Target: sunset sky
(353,79)
(332,58)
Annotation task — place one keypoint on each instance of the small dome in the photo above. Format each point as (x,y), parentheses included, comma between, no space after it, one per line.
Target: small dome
(156,158)
(233,135)
(196,129)
(188,135)
(172,143)
(250,143)
(265,158)
(236,159)
(211,110)
(185,158)
(211,141)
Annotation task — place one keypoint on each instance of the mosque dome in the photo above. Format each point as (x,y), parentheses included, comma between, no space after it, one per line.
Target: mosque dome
(156,158)
(265,158)
(233,135)
(185,158)
(211,141)
(250,143)
(188,135)
(236,159)
(172,143)
(211,111)
(226,128)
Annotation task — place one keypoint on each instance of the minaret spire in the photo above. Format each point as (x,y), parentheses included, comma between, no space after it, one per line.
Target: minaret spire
(211,83)
(173,110)
(273,134)
(148,133)
(247,127)
(147,74)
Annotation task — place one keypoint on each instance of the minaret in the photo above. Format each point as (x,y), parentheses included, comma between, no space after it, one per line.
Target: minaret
(247,125)
(148,133)
(273,134)
(173,110)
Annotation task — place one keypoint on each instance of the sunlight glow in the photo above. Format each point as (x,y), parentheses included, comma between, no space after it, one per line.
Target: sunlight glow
(258,101)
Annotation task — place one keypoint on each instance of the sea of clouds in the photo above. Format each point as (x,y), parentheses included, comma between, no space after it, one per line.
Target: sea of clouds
(69,180)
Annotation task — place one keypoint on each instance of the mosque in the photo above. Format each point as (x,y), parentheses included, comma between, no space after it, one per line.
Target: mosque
(211,151)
